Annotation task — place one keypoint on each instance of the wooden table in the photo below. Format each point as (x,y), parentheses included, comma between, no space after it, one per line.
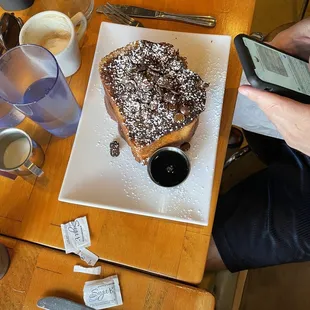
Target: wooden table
(36,272)
(30,209)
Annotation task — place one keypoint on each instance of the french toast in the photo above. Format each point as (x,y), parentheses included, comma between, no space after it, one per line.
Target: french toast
(153,96)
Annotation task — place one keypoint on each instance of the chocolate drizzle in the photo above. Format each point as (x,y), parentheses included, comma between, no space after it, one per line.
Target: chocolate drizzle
(153,89)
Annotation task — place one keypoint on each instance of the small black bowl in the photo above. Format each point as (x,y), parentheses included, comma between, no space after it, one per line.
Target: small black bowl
(168,167)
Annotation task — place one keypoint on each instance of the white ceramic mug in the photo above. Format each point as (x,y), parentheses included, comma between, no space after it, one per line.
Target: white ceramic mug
(56,32)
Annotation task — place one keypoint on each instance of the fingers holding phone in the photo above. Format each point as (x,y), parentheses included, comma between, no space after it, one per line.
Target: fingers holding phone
(280,85)
(270,69)
(291,118)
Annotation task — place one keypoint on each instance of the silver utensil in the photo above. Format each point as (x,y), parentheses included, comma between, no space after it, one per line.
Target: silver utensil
(201,20)
(116,15)
(139,11)
(56,303)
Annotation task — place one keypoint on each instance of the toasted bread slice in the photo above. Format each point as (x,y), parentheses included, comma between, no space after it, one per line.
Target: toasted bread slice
(152,95)
(142,153)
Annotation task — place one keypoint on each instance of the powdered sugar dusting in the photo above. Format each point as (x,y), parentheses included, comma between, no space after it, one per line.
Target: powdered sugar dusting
(154,90)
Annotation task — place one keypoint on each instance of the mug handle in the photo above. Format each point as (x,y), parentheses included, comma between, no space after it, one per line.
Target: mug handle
(33,168)
(79,19)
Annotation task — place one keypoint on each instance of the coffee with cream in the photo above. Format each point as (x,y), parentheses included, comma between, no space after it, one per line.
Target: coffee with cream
(55,41)
(59,34)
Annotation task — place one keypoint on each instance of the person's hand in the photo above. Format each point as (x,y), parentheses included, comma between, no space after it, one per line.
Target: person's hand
(295,40)
(291,118)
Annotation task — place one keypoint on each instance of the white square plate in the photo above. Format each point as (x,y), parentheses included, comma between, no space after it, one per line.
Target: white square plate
(94,178)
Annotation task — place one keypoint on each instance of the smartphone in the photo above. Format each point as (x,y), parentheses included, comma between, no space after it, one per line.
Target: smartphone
(273,70)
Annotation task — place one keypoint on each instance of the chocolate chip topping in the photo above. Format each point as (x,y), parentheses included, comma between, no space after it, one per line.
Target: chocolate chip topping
(114,149)
(185,109)
(179,118)
(151,85)
(185,146)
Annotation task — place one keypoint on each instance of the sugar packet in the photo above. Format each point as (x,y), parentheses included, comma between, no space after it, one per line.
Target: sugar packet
(87,256)
(76,235)
(103,293)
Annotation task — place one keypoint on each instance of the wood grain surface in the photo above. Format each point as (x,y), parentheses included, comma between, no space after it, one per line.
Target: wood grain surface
(36,272)
(30,210)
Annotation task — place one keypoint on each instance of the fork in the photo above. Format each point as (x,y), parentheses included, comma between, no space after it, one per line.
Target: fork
(116,15)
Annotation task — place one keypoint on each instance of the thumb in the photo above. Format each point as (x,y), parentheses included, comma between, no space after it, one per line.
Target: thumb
(269,103)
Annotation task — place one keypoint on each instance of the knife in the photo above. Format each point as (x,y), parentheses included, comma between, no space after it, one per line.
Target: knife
(135,11)
(57,303)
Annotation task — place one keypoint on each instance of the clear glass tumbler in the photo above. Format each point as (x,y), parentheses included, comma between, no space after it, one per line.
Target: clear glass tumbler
(31,80)
(9,116)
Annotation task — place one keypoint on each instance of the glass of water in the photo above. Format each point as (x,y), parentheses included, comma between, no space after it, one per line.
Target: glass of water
(9,116)
(31,80)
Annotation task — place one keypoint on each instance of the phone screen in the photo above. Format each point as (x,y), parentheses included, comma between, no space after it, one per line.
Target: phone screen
(278,68)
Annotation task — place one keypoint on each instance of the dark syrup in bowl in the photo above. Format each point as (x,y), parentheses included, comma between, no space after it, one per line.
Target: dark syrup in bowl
(168,167)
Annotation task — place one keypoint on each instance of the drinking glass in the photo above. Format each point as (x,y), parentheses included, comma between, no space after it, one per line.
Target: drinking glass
(70,7)
(31,80)
(9,116)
